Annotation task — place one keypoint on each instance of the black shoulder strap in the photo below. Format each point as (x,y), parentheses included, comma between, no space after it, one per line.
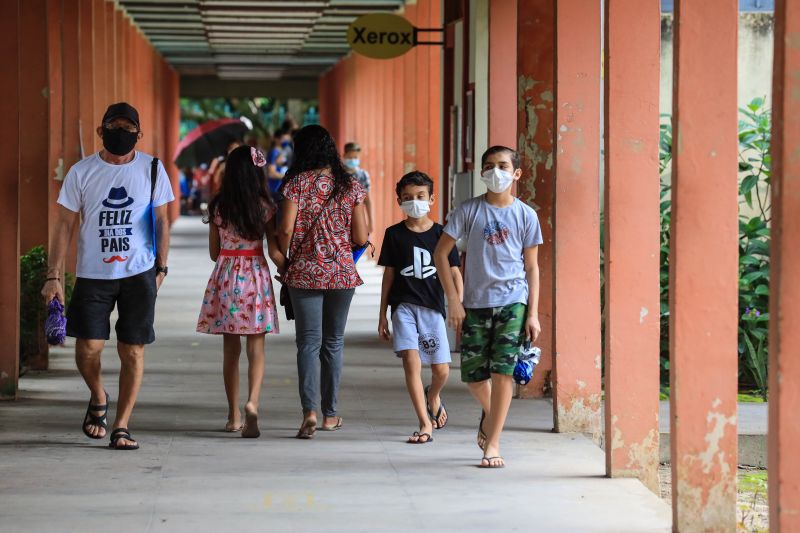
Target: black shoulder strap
(153,177)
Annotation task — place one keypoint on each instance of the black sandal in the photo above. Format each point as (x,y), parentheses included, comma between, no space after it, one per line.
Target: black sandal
(481,434)
(442,410)
(92,419)
(122,433)
(418,435)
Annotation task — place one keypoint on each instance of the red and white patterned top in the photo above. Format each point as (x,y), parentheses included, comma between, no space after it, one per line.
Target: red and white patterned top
(326,258)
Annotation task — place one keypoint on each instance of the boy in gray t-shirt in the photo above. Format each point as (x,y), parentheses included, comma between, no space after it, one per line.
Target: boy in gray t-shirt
(501,291)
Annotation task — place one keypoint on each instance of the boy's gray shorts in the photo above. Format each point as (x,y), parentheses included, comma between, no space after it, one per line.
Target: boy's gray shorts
(419,328)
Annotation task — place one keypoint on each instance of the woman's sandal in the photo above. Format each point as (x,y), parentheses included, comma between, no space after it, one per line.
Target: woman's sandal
(418,435)
(122,433)
(92,419)
(307,430)
(334,427)
(489,462)
(481,434)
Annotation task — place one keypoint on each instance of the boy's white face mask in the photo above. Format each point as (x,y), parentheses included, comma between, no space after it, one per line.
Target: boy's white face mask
(497,180)
(416,208)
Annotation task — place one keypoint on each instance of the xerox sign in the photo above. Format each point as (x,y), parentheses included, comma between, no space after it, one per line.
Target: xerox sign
(381,35)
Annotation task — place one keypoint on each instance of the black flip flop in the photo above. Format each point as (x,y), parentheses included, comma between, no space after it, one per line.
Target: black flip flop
(122,433)
(92,419)
(481,433)
(489,462)
(419,436)
(435,419)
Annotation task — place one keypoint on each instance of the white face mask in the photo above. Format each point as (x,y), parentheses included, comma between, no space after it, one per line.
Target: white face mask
(497,180)
(416,208)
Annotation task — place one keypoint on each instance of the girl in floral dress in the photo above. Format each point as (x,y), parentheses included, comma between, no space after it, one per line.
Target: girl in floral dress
(239,299)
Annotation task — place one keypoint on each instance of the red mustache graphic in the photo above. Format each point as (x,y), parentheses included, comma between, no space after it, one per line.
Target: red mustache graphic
(115,258)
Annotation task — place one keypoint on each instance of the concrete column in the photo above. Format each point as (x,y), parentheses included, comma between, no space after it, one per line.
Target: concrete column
(86,65)
(704,267)
(109,10)
(434,117)
(632,307)
(479,76)
(100,64)
(71,80)
(34,133)
(784,364)
(172,119)
(577,346)
(410,95)
(55,99)
(34,130)
(9,177)
(502,72)
(535,120)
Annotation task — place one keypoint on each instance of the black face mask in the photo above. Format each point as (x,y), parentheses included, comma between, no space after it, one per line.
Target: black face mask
(118,141)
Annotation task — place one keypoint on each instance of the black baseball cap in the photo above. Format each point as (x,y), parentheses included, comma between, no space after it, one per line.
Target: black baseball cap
(121,110)
(352,147)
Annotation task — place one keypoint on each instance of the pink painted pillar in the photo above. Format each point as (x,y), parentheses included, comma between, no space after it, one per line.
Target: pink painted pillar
(784,335)
(632,240)
(704,259)
(502,72)
(577,347)
(9,178)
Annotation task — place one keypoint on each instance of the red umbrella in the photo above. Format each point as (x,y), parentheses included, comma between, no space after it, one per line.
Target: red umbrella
(209,140)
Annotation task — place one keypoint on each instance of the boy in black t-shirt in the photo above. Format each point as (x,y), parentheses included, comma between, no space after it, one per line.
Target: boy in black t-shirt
(411,287)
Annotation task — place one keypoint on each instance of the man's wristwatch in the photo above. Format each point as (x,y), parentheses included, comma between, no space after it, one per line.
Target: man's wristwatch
(161,270)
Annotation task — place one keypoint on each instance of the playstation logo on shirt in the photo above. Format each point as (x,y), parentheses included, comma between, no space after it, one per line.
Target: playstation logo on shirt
(422,268)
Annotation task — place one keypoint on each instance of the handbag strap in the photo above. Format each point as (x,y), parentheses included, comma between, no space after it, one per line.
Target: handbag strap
(289,260)
(153,178)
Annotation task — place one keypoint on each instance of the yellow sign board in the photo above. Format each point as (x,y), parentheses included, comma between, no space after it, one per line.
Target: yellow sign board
(381,35)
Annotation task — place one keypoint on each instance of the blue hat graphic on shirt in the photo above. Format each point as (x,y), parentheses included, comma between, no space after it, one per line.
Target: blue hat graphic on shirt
(118,198)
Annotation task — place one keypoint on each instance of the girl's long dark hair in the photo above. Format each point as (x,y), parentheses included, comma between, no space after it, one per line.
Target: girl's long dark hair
(314,149)
(243,198)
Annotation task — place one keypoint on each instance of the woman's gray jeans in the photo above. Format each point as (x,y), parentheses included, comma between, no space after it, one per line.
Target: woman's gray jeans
(321,316)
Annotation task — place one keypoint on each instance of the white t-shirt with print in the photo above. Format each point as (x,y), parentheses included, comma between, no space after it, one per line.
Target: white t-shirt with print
(115,238)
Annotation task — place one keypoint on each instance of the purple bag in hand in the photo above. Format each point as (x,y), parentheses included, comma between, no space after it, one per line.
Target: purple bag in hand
(55,327)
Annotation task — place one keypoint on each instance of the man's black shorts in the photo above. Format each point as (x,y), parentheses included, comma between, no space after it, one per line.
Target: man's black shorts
(93,300)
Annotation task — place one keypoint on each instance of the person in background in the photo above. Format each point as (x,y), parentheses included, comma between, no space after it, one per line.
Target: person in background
(352,162)
(219,170)
(277,163)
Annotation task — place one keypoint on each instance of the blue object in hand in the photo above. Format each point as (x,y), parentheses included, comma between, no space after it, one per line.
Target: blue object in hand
(526,363)
(55,326)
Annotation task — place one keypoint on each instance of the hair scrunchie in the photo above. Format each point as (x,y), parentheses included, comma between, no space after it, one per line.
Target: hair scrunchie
(258,157)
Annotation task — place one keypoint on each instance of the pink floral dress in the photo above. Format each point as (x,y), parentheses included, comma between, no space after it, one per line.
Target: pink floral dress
(239,298)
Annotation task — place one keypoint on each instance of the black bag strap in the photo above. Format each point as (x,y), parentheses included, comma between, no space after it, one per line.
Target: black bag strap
(290,261)
(153,177)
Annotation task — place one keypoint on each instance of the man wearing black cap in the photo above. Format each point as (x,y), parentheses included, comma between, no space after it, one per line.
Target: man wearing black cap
(121,196)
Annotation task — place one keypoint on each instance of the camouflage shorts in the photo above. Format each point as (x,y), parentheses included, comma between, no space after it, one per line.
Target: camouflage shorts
(490,341)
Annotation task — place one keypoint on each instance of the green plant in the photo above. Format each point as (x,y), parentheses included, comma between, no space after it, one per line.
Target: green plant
(33,311)
(754,238)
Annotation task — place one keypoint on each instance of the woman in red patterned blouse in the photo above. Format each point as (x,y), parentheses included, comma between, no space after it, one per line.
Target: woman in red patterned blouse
(323,217)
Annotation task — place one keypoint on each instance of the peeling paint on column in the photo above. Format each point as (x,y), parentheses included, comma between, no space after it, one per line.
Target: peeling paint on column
(706,489)
(580,415)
